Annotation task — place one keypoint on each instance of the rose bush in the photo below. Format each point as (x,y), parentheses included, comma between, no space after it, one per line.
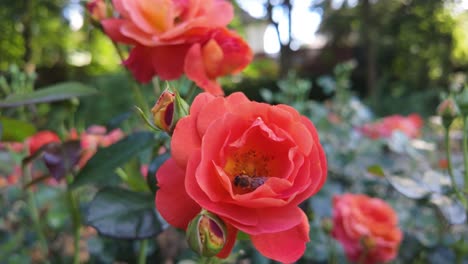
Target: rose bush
(167,34)
(366,227)
(251,164)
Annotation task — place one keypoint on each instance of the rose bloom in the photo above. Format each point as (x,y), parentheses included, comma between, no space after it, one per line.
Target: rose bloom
(95,137)
(251,164)
(170,37)
(12,178)
(411,126)
(366,227)
(40,139)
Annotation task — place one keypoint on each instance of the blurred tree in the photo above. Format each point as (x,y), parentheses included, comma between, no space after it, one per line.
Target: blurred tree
(32,32)
(403,46)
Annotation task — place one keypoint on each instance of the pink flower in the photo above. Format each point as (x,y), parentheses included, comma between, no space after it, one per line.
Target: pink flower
(411,126)
(366,227)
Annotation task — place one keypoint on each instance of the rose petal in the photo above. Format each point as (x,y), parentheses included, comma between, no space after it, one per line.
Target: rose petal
(168,61)
(251,221)
(195,70)
(172,201)
(286,246)
(112,28)
(230,241)
(185,140)
(140,64)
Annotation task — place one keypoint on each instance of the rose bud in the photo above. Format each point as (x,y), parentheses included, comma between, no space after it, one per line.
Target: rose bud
(97,9)
(462,101)
(169,108)
(448,111)
(206,234)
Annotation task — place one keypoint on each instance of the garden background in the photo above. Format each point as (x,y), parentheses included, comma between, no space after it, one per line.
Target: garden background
(345,64)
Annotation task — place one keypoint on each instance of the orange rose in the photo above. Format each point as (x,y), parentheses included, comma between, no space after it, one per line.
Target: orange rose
(249,163)
(163,31)
(366,227)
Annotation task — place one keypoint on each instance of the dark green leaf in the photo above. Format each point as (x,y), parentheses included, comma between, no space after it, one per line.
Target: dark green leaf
(15,130)
(100,168)
(117,121)
(153,168)
(122,213)
(52,93)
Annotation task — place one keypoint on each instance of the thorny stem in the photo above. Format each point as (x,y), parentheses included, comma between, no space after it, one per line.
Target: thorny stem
(142,253)
(76,222)
(332,251)
(450,169)
(465,149)
(34,211)
(207,260)
(140,99)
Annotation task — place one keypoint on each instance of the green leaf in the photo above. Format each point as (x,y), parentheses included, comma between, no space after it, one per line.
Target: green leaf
(15,130)
(122,213)
(376,170)
(101,167)
(408,186)
(52,93)
(153,168)
(451,209)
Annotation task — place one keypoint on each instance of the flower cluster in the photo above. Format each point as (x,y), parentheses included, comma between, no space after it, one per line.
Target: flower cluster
(410,126)
(170,38)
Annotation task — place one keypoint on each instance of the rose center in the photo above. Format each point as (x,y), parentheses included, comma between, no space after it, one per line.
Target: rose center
(249,169)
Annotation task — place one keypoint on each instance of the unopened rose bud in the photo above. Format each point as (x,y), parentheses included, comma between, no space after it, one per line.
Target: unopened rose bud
(97,9)
(168,110)
(462,101)
(448,111)
(368,243)
(206,234)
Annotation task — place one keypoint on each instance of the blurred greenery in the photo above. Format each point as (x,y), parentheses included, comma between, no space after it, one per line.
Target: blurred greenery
(381,57)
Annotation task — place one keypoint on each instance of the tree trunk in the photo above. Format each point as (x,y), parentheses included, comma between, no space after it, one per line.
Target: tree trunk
(370,49)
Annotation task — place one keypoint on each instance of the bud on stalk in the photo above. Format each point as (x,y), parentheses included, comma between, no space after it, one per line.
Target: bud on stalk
(168,110)
(448,111)
(206,234)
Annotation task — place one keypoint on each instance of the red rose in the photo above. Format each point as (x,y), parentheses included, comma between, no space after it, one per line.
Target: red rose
(163,31)
(251,164)
(366,227)
(40,139)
